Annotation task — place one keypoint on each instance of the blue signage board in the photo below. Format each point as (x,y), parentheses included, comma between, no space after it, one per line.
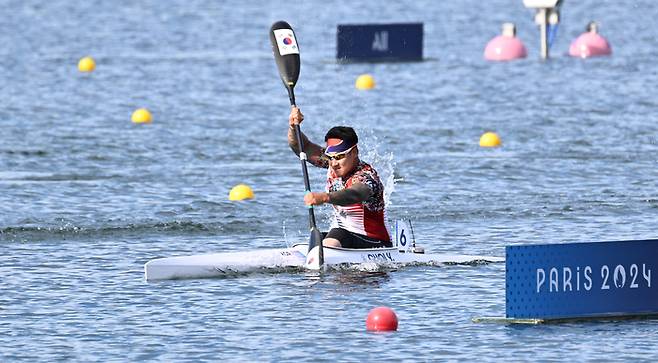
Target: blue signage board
(581,280)
(380,42)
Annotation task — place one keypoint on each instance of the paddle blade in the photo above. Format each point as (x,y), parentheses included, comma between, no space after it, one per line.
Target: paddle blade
(286,52)
(313,259)
(315,255)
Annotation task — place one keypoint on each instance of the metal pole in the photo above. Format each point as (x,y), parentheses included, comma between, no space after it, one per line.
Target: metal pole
(543,16)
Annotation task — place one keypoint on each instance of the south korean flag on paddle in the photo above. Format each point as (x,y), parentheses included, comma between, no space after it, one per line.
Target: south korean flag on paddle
(285,40)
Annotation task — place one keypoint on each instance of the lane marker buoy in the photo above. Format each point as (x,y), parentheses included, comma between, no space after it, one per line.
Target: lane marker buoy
(86,64)
(141,116)
(490,139)
(365,82)
(241,192)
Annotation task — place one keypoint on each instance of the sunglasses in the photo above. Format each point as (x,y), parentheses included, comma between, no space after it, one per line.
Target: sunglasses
(338,156)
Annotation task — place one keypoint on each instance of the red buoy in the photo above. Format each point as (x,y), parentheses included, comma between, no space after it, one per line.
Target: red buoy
(382,319)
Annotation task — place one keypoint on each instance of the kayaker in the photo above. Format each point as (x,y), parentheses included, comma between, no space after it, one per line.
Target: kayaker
(353,188)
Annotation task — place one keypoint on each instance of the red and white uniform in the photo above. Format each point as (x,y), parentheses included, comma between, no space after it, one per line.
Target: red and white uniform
(366,218)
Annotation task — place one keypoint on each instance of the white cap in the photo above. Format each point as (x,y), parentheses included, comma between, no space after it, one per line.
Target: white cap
(509,30)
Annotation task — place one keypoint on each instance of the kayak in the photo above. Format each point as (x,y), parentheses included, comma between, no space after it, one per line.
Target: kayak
(295,258)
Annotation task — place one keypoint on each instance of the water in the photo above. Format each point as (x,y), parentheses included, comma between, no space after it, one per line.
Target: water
(86,197)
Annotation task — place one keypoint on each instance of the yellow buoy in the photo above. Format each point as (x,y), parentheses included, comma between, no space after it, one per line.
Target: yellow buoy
(141,116)
(241,192)
(86,64)
(365,82)
(490,139)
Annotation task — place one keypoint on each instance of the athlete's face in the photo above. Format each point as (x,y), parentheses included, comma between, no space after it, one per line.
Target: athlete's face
(342,167)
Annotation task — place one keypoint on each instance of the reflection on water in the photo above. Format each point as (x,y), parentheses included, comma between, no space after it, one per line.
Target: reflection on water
(352,280)
(346,278)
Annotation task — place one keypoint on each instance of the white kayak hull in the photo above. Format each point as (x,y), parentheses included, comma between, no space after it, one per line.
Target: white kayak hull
(222,264)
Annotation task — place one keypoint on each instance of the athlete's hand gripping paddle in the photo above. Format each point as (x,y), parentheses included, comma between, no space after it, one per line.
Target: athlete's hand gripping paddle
(286,54)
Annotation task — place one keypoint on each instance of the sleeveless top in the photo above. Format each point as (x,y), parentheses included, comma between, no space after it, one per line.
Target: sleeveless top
(366,218)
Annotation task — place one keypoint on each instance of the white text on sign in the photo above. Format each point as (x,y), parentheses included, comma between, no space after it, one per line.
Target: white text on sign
(380,42)
(569,279)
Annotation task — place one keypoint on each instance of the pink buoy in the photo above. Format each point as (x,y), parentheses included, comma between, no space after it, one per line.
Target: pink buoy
(590,44)
(505,47)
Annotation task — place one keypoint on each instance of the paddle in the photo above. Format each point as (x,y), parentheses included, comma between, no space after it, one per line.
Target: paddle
(286,54)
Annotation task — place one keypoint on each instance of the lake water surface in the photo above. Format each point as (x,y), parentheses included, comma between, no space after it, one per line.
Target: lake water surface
(87,197)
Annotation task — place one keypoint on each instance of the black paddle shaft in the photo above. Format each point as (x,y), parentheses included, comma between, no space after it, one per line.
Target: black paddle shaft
(286,54)
(307,184)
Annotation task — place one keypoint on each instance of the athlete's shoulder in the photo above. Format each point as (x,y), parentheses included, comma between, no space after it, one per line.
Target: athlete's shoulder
(366,169)
(366,174)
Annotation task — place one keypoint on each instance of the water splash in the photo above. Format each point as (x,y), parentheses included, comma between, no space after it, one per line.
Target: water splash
(382,162)
(285,235)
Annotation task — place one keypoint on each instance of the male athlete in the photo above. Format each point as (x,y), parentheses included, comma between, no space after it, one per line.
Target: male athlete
(353,188)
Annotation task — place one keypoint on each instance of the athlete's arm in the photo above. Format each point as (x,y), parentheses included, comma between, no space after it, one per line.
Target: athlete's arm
(313,151)
(356,193)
